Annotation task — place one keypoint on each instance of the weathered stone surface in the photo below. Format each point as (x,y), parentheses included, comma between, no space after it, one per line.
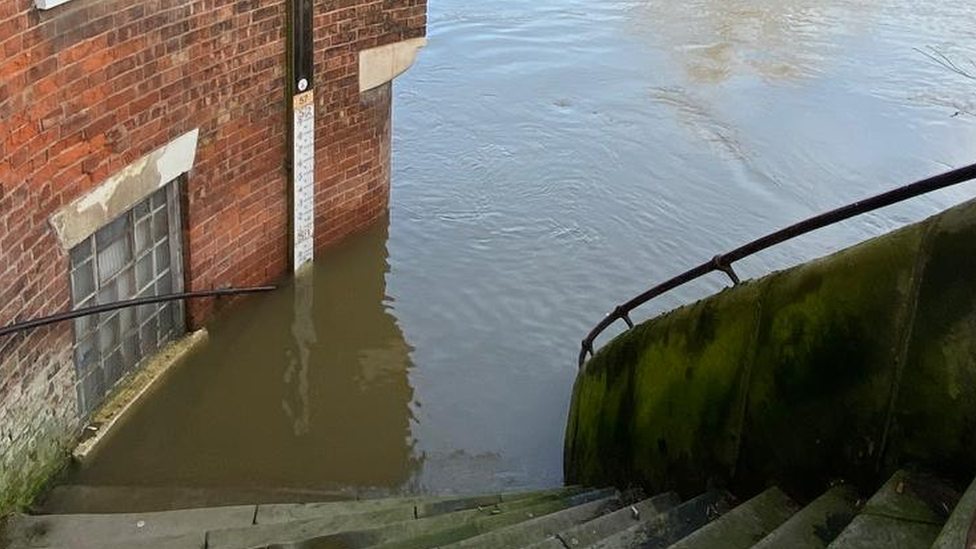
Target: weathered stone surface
(602,527)
(935,416)
(907,512)
(350,531)
(823,371)
(743,526)
(671,526)
(134,387)
(38,417)
(405,508)
(186,541)
(956,530)
(825,365)
(74,498)
(531,531)
(913,497)
(95,531)
(76,221)
(441,506)
(874,532)
(664,402)
(426,537)
(817,524)
(382,64)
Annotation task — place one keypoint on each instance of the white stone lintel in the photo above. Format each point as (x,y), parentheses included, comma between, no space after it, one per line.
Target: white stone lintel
(75,222)
(380,65)
(48,4)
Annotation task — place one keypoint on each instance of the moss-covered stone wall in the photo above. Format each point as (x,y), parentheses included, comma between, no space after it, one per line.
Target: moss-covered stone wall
(843,367)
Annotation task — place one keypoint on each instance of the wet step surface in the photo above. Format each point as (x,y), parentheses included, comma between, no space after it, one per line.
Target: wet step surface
(908,512)
(817,524)
(911,510)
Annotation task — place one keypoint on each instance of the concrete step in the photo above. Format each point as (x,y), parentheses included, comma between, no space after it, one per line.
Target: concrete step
(84,531)
(876,532)
(453,533)
(531,531)
(817,524)
(188,527)
(74,499)
(599,528)
(961,523)
(332,533)
(745,525)
(189,541)
(907,512)
(663,530)
(408,508)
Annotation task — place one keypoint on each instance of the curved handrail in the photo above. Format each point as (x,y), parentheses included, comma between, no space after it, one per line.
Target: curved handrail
(723,262)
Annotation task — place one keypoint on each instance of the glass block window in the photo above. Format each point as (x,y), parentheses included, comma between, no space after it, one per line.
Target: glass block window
(136,255)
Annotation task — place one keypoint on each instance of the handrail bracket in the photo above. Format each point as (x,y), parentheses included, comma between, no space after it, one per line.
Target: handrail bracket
(723,265)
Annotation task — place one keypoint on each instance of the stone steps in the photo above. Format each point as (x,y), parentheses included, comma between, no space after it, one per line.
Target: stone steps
(961,523)
(910,511)
(744,526)
(602,527)
(666,529)
(451,529)
(815,525)
(350,532)
(72,499)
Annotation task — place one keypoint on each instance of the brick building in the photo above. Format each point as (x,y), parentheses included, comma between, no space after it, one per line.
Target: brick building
(144,148)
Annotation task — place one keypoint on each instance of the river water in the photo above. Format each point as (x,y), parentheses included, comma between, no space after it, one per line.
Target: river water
(551,159)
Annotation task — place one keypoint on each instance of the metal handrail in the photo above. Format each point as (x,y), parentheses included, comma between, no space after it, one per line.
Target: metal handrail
(723,262)
(88,311)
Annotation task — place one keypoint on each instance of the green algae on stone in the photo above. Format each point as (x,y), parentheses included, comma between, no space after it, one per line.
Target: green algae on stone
(826,364)
(606,401)
(843,367)
(664,400)
(690,387)
(19,489)
(935,416)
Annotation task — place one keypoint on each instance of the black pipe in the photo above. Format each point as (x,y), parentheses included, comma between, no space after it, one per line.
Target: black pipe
(88,311)
(724,262)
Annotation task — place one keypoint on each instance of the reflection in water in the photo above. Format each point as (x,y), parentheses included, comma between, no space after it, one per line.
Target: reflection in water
(780,40)
(303,330)
(303,388)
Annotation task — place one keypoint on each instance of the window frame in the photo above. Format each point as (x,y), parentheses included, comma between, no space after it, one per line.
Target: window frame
(112,345)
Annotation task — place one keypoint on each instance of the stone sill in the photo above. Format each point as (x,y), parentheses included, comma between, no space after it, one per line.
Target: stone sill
(134,388)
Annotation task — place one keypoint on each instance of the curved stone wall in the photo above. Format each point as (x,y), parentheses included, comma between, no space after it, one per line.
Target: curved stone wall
(844,367)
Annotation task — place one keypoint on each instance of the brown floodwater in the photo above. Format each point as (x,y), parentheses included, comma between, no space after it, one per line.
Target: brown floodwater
(551,159)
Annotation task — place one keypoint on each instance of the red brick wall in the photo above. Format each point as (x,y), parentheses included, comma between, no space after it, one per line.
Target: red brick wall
(91,86)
